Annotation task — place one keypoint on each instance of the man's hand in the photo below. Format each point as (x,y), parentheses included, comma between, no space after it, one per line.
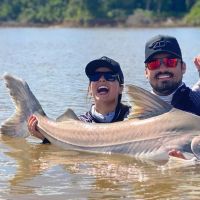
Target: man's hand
(197,62)
(176,153)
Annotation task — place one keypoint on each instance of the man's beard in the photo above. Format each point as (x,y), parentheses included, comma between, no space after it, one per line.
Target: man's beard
(166,88)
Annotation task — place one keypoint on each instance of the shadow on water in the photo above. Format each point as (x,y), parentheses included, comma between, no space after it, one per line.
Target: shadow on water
(48,171)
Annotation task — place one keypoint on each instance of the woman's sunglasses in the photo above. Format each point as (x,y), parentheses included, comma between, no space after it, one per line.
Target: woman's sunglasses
(168,62)
(108,76)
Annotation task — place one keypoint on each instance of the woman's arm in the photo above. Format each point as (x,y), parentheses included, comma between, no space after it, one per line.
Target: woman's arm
(32,127)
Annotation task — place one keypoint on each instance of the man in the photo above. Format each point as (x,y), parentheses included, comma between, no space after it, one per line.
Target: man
(164,68)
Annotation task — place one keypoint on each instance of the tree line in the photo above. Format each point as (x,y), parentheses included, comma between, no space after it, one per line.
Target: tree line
(97,12)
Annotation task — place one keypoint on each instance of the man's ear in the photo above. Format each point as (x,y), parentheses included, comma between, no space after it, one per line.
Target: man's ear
(146,73)
(183,67)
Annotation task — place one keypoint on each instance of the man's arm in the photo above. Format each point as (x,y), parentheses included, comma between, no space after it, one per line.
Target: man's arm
(197,63)
(196,86)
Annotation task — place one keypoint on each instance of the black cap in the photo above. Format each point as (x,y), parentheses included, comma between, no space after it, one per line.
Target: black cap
(104,61)
(162,44)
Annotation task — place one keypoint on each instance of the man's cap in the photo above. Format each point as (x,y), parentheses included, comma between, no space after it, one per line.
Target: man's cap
(162,44)
(104,61)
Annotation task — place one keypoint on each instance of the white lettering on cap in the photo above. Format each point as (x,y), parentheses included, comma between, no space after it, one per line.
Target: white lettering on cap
(159,45)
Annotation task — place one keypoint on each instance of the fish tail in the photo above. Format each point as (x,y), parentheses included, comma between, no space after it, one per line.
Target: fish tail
(25,105)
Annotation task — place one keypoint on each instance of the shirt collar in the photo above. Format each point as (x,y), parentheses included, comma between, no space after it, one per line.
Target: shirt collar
(168,98)
(100,117)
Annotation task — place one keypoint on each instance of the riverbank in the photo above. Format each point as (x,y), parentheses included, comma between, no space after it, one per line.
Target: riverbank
(102,23)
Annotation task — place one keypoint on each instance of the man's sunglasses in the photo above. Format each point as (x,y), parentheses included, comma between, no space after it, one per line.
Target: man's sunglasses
(108,76)
(168,62)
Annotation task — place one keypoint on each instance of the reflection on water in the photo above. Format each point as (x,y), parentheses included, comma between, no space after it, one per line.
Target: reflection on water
(52,61)
(47,171)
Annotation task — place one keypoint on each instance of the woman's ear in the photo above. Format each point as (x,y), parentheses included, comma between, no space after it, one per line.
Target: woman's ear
(89,90)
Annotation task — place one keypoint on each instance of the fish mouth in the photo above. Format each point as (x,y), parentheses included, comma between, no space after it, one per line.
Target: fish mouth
(166,75)
(102,90)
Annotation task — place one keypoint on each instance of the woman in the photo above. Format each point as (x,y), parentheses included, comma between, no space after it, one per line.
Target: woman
(105,87)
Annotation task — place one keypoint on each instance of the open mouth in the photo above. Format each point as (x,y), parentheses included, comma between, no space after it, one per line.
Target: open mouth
(164,75)
(102,90)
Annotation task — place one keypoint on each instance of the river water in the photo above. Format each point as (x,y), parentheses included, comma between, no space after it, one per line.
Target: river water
(52,61)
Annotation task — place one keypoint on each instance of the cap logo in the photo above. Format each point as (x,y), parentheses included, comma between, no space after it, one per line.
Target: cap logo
(106,59)
(159,45)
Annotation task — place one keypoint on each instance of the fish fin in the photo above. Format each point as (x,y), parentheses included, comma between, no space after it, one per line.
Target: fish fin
(145,104)
(69,114)
(25,105)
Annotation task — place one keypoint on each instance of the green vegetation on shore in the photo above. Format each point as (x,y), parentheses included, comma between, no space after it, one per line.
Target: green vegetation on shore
(100,12)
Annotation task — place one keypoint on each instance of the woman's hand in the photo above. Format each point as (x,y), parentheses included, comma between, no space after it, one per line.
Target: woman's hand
(32,127)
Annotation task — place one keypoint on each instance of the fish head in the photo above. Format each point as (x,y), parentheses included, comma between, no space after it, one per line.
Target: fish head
(195,146)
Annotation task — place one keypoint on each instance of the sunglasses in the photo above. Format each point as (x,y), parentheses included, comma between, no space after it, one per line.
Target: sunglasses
(168,62)
(108,76)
